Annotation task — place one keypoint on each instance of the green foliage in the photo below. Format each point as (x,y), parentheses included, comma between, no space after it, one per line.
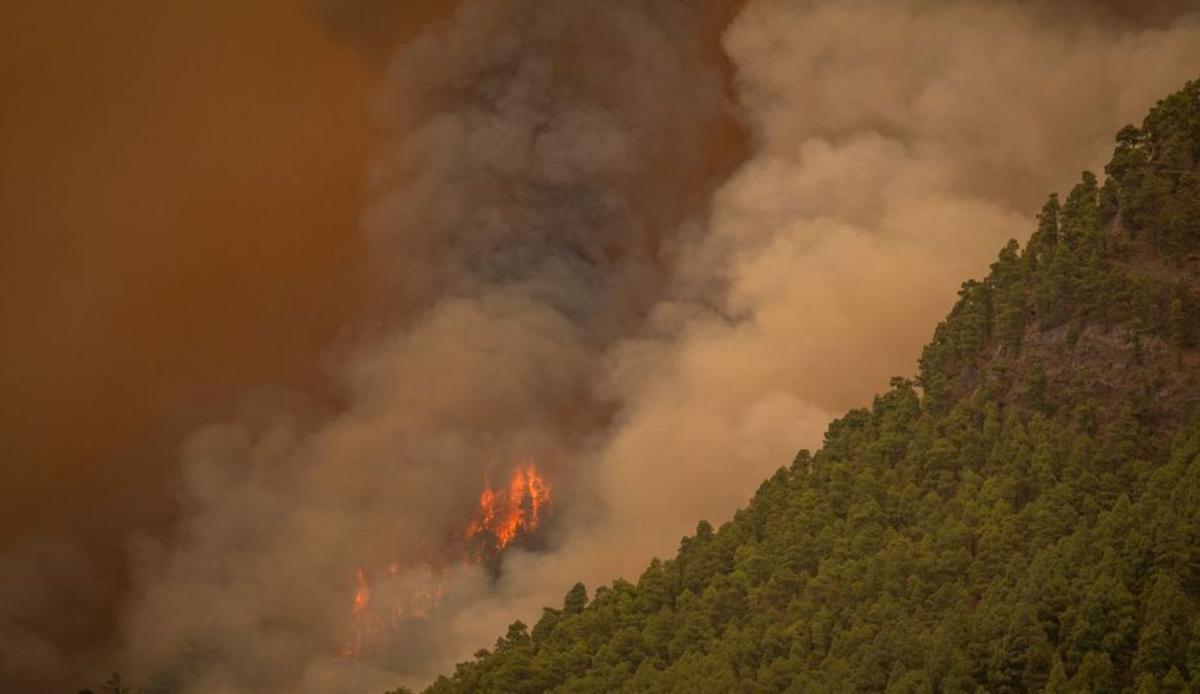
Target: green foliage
(918,552)
(1014,520)
(1153,175)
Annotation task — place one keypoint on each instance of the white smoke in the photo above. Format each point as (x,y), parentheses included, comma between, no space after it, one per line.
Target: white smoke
(895,147)
(551,290)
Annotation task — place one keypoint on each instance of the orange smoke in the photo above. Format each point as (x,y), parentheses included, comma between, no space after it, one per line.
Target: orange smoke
(506,512)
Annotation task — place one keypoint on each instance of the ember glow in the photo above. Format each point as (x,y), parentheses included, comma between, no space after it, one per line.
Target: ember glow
(503,514)
(509,510)
(399,597)
(362,600)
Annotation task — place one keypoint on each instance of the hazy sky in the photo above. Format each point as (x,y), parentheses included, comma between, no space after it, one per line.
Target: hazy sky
(179,189)
(654,245)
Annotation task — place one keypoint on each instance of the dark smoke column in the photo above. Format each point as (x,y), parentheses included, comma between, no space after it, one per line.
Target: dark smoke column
(548,157)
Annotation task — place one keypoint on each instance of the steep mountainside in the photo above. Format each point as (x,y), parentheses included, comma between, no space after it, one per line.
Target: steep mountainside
(1023,516)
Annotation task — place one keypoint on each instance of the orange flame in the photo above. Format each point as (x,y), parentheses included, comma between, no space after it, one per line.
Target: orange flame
(508,511)
(362,600)
(504,513)
(374,616)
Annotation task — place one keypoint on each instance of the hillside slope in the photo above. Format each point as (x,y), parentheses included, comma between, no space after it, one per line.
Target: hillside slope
(1023,516)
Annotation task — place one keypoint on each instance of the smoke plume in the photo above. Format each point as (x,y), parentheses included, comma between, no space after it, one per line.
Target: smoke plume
(895,146)
(548,159)
(566,274)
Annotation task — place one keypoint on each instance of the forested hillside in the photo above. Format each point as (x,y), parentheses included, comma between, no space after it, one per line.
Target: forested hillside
(1024,515)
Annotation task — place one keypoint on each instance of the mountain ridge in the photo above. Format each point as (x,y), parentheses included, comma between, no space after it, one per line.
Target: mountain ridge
(1023,515)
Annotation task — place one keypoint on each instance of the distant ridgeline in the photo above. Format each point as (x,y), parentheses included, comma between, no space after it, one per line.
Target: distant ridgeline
(1025,516)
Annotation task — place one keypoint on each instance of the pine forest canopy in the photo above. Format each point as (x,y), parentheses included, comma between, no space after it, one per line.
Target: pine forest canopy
(1024,515)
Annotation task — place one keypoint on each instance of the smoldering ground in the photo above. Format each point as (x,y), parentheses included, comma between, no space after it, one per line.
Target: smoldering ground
(559,277)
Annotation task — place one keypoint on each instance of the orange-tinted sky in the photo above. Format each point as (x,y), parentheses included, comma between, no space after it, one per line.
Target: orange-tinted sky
(179,190)
(179,194)
(180,186)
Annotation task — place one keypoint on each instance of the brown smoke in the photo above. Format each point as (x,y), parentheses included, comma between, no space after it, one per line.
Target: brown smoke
(895,147)
(558,277)
(548,163)
(180,185)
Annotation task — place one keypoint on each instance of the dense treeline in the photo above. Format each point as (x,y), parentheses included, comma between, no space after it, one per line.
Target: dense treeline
(1024,516)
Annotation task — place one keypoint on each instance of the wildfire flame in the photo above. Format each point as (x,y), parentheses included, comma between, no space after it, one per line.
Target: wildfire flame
(511,509)
(501,515)
(362,600)
(377,614)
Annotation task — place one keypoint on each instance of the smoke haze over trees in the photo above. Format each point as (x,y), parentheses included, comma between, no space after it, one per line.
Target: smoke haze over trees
(654,247)
(1020,518)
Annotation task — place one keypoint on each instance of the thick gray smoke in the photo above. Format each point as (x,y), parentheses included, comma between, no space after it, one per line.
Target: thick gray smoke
(525,219)
(556,287)
(895,147)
